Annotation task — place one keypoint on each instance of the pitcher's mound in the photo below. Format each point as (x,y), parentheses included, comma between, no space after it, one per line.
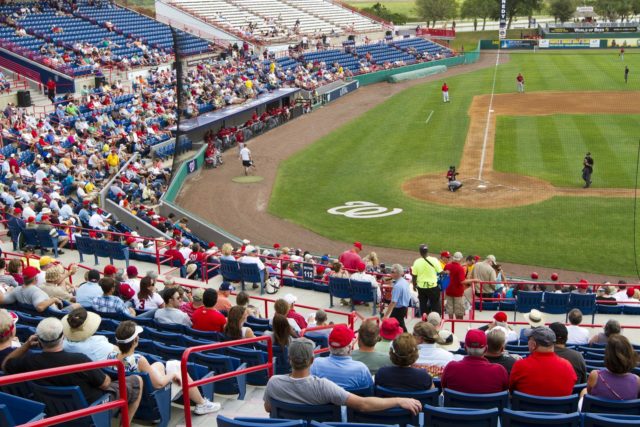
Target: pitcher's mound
(247,179)
(495,190)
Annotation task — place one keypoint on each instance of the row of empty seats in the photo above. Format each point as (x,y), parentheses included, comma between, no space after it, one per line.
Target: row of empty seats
(312,15)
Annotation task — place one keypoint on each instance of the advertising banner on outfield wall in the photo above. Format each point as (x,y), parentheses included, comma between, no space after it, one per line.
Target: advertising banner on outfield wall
(568,43)
(341,91)
(625,29)
(623,42)
(518,44)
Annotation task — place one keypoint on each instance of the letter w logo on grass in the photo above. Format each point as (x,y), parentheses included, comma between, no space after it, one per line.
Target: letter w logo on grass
(363,210)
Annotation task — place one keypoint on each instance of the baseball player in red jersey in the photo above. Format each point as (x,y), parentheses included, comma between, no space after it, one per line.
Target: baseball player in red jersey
(445,92)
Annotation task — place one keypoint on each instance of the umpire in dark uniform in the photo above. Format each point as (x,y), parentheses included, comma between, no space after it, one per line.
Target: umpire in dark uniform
(587,170)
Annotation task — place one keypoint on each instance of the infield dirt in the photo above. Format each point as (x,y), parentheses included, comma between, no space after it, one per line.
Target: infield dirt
(491,189)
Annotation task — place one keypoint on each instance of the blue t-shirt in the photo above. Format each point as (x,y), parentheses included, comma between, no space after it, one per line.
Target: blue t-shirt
(401,294)
(343,370)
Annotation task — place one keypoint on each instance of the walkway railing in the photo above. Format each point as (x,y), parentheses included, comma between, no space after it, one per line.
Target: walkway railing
(186,384)
(120,403)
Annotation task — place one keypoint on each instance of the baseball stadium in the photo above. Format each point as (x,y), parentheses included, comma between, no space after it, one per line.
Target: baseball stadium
(298,213)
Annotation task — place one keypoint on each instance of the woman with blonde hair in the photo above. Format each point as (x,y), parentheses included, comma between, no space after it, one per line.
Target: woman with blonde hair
(372,263)
(227,252)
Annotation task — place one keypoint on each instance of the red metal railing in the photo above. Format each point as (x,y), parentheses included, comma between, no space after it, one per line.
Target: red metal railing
(481,299)
(120,403)
(484,322)
(186,384)
(21,70)
(319,328)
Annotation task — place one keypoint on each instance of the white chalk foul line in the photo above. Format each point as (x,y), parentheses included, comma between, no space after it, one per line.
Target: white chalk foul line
(429,118)
(489,111)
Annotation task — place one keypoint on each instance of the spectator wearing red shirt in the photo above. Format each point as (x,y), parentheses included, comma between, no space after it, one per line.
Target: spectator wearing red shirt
(195,303)
(51,89)
(475,374)
(351,258)
(174,253)
(299,319)
(454,294)
(207,318)
(543,373)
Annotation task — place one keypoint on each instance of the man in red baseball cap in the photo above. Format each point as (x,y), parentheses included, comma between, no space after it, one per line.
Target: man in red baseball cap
(350,259)
(339,367)
(475,374)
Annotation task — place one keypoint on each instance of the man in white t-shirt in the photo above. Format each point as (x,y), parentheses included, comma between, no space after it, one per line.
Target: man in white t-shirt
(247,162)
(251,257)
(361,276)
(577,334)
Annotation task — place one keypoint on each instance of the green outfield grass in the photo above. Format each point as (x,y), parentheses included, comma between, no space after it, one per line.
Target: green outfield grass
(407,8)
(369,158)
(549,146)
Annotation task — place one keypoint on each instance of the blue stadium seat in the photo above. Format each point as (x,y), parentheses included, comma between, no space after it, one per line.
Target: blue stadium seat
(251,273)
(512,418)
(458,399)
(339,288)
(230,270)
(16,410)
(606,406)
(61,400)
(252,357)
(610,420)
(364,292)
(608,308)
(85,247)
(223,421)
(586,303)
(308,413)
(427,397)
(460,417)
(527,301)
(555,303)
(528,402)
(221,364)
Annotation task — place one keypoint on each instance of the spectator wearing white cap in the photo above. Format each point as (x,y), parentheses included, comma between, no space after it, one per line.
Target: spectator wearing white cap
(361,276)
(292,314)
(251,257)
(8,340)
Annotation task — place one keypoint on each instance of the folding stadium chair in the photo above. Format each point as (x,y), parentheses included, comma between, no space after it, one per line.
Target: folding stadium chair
(527,301)
(339,288)
(555,303)
(251,273)
(511,418)
(586,303)
(252,357)
(364,292)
